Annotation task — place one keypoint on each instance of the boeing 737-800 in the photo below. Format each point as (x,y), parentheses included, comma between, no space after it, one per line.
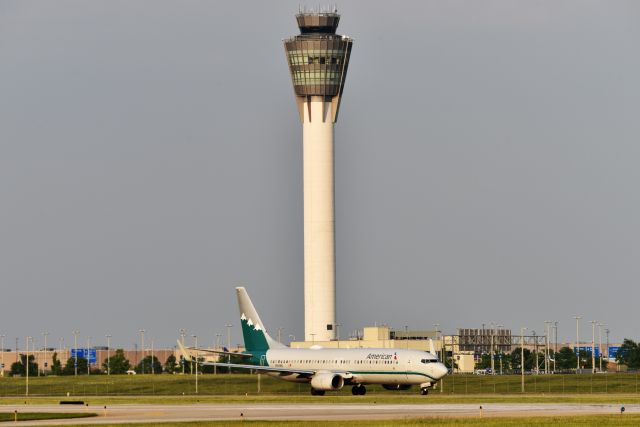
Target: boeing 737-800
(328,368)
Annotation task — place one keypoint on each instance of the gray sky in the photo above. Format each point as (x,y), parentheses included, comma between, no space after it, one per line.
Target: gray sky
(150,160)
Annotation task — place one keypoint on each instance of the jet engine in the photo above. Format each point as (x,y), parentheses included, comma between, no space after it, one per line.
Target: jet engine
(327,381)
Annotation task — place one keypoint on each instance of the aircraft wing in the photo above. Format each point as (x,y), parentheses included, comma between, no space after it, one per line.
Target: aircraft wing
(260,368)
(303,372)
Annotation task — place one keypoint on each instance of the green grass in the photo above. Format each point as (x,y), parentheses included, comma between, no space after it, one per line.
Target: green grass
(32,416)
(224,388)
(582,421)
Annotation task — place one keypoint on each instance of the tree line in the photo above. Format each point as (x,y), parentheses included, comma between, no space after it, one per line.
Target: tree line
(116,364)
(564,359)
(629,354)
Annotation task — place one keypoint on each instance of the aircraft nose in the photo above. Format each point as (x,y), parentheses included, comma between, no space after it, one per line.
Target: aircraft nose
(441,370)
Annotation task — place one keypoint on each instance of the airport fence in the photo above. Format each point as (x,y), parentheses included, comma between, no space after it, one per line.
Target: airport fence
(557,384)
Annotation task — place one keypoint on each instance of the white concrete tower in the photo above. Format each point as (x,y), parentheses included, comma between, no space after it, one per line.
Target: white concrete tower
(318,60)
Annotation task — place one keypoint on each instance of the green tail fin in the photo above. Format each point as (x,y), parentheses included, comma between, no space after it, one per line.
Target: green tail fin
(255,336)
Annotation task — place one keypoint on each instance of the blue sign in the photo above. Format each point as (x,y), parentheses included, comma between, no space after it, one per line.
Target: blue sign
(82,352)
(588,349)
(613,351)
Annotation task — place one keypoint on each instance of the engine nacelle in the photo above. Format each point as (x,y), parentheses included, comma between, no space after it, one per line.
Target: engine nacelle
(396,386)
(327,381)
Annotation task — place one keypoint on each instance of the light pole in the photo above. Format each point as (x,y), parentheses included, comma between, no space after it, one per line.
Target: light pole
(26,392)
(280,334)
(406,335)
(195,338)
(215,367)
(493,371)
(522,359)
(182,334)
(152,359)
(229,326)
(36,355)
(577,342)
(593,346)
(60,341)
(142,348)
(535,349)
(88,356)
(600,325)
(2,349)
(437,328)
(75,349)
(555,345)
(607,332)
(45,334)
(108,348)
(500,343)
(547,352)
(453,348)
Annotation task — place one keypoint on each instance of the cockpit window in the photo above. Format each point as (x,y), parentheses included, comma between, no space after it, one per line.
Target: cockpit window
(428,360)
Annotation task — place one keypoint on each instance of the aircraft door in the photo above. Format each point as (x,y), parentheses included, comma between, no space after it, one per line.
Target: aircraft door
(405,368)
(263,360)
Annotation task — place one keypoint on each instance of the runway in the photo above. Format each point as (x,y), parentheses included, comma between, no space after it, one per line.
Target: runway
(210,412)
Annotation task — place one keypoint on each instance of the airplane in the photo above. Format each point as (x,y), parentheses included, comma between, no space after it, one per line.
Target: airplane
(327,369)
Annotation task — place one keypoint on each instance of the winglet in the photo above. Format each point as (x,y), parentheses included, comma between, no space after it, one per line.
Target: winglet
(432,348)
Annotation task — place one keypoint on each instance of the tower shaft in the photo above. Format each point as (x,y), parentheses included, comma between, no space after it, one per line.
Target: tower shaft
(319,221)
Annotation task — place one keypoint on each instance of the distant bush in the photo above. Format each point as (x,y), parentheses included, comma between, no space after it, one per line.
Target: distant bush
(118,364)
(18,368)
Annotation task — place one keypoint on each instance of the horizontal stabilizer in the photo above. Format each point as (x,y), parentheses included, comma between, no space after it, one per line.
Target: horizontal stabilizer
(226,353)
(185,353)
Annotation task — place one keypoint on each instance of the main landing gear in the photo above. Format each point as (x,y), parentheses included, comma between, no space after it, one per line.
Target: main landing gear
(358,390)
(315,392)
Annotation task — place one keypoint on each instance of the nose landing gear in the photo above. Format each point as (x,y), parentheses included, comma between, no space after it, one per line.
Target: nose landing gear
(424,388)
(358,390)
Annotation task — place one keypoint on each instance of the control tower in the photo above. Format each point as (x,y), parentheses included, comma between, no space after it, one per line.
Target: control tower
(318,60)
